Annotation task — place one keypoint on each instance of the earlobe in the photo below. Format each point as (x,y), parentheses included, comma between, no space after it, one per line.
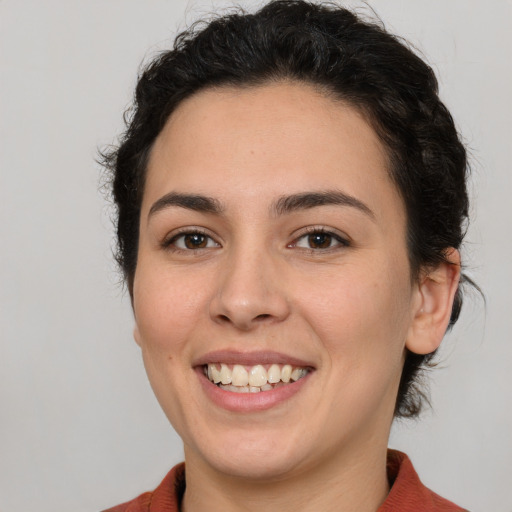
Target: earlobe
(436,291)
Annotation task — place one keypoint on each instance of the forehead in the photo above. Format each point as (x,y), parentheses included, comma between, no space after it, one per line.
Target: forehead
(265,141)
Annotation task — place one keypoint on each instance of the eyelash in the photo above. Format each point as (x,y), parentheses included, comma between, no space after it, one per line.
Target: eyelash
(170,243)
(317,230)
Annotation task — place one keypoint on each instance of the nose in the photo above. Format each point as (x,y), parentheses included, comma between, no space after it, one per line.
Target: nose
(250,292)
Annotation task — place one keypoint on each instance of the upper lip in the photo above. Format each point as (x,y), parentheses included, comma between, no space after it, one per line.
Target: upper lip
(250,358)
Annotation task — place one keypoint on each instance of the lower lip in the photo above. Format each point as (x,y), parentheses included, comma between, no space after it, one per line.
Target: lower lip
(249,402)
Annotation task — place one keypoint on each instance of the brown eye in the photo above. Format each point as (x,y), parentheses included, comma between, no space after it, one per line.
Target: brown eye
(195,241)
(192,241)
(319,240)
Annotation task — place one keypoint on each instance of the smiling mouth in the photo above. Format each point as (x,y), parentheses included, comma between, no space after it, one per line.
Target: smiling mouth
(253,379)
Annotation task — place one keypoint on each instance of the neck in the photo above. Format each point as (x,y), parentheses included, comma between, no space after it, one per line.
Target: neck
(359,483)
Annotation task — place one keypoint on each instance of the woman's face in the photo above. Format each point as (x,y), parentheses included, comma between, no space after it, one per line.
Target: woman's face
(271,235)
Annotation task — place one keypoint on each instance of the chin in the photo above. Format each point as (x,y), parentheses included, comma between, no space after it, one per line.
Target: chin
(259,456)
(257,465)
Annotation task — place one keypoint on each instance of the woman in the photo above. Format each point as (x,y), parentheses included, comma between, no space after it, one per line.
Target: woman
(291,198)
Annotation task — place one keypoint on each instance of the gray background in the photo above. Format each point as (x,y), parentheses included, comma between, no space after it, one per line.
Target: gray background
(79,426)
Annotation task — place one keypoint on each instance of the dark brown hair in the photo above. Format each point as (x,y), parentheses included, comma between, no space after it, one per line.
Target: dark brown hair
(347,57)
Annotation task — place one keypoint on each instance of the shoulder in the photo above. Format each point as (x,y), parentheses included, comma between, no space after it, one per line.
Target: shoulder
(165,498)
(139,504)
(408,493)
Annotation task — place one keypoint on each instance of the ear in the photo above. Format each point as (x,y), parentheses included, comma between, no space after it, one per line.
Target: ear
(136,335)
(432,310)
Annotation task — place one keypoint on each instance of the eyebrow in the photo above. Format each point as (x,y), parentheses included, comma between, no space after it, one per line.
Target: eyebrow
(282,206)
(306,200)
(196,202)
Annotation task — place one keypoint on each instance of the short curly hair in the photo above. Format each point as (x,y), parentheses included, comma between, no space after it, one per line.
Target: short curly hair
(348,58)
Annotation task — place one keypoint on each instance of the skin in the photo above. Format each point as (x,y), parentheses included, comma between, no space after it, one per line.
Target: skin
(349,309)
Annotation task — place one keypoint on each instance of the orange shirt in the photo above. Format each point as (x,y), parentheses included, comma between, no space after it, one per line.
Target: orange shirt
(407,492)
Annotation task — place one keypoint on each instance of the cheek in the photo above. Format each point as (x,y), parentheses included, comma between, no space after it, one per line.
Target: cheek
(361,313)
(167,308)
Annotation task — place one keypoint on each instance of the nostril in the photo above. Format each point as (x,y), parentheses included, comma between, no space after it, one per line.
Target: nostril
(263,316)
(225,318)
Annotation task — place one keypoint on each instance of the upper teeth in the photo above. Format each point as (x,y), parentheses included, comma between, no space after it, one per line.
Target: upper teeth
(256,376)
